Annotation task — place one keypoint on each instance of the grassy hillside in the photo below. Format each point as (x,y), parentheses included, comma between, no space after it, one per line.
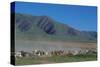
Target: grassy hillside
(45,28)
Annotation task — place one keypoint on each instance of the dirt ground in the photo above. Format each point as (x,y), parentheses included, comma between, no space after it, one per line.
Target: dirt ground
(71,44)
(53,45)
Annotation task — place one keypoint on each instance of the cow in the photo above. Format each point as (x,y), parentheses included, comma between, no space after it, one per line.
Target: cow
(38,52)
(18,54)
(57,52)
(21,54)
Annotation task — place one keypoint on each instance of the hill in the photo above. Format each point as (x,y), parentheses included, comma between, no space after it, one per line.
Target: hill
(30,27)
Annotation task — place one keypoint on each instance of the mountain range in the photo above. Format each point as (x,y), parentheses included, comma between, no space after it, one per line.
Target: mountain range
(29,27)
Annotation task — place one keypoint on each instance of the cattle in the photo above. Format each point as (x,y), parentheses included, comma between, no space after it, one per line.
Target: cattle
(92,51)
(41,53)
(38,52)
(59,52)
(20,54)
(75,52)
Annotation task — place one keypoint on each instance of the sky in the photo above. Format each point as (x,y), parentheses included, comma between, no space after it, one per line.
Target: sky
(83,18)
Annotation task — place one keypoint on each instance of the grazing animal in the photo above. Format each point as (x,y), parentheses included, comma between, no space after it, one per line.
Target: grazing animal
(23,54)
(59,52)
(75,52)
(18,54)
(38,53)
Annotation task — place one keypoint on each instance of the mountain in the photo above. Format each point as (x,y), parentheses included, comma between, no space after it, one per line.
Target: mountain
(46,28)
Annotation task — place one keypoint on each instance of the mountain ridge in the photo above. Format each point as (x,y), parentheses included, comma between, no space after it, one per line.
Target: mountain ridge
(44,27)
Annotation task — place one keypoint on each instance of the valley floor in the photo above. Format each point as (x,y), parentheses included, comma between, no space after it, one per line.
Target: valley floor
(52,45)
(29,45)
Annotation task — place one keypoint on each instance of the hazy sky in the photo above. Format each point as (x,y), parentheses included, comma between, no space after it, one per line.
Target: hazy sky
(79,17)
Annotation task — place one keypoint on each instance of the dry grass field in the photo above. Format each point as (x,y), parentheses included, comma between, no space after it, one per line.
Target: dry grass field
(53,45)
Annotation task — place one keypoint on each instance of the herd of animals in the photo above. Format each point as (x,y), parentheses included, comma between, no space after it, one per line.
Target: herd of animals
(41,53)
